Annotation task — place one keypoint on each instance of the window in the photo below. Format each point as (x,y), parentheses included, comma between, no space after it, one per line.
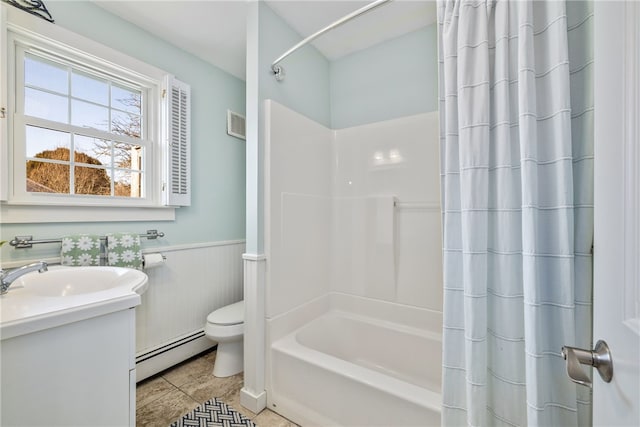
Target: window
(97,118)
(91,127)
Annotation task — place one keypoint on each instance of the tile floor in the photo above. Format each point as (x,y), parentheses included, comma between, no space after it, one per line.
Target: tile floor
(162,399)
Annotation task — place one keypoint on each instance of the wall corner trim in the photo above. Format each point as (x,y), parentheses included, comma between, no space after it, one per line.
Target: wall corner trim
(253,394)
(254,257)
(254,403)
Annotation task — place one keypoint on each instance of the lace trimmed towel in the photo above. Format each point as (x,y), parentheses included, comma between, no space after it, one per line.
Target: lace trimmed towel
(80,249)
(123,250)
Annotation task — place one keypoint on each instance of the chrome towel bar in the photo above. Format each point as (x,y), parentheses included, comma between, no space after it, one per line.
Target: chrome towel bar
(24,242)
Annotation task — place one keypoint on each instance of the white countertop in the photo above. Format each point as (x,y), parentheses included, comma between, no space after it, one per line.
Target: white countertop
(35,301)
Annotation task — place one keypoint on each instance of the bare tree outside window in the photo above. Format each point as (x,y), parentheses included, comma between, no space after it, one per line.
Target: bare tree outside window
(125,123)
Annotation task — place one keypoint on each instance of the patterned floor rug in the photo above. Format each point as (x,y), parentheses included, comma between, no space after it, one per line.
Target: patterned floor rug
(213,413)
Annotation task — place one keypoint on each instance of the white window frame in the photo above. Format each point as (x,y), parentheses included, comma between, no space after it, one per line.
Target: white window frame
(20,122)
(24,32)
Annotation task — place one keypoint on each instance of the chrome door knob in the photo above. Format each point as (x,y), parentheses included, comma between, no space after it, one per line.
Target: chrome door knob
(599,358)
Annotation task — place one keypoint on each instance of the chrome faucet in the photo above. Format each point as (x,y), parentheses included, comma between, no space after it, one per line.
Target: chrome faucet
(8,277)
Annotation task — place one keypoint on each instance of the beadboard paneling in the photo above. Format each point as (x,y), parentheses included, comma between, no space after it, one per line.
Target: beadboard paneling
(185,289)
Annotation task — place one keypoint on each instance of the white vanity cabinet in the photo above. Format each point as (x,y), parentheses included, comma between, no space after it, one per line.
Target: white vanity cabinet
(67,347)
(78,374)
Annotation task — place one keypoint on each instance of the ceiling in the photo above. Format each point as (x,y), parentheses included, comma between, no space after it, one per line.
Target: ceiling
(215,30)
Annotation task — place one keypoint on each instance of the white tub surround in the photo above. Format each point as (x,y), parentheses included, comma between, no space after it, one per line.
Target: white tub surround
(398,158)
(353,238)
(297,208)
(253,395)
(363,202)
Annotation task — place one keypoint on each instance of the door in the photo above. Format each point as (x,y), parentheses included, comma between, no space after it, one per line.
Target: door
(4,107)
(617,209)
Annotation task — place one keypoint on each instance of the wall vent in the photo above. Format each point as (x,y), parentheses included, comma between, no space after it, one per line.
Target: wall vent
(236,125)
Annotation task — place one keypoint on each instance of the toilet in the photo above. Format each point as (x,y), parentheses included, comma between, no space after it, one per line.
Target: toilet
(226,327)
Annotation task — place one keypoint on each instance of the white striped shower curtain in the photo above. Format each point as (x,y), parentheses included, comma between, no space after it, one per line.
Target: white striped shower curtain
(517,194)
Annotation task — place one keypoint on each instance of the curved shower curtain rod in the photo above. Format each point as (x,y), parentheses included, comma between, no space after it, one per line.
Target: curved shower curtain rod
(278,70)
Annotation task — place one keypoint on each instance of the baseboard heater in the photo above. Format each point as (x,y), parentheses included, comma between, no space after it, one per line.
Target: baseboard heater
(164,356)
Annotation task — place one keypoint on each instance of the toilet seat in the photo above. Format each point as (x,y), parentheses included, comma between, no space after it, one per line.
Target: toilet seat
(226,327)
(232,314)
(222,333)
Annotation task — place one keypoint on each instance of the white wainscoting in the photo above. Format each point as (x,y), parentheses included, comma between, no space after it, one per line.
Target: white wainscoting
(194,281)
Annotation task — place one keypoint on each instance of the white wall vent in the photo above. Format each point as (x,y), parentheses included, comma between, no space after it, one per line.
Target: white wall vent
(236,125)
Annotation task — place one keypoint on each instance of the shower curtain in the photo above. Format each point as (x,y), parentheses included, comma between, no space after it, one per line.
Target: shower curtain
(517,195)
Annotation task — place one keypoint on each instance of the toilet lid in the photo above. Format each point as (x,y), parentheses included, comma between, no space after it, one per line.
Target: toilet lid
(228,315)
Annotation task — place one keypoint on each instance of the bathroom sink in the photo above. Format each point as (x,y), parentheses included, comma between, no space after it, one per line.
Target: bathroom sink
(62,295)
(70,281)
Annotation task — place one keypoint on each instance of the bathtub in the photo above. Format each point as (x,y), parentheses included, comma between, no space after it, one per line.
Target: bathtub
(346,369)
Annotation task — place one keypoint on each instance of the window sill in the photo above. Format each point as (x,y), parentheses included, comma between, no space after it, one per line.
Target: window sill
(16,214)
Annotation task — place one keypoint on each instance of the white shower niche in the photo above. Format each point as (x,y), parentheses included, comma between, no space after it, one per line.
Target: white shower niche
(352,221)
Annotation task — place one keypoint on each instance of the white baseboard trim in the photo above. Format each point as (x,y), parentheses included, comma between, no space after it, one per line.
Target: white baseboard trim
(165,360)
(252,402)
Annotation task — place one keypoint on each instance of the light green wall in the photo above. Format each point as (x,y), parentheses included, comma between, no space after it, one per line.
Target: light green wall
(217,212)
(395,78)
(304,89)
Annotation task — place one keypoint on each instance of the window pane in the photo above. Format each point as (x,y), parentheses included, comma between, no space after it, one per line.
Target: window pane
(125,124)
(126,99)
(89,88)
(94,181)
(46,105)
(82,129)
(127,156)
(128,183)
(44,142)
(93,151)
(45,74)
(47,177)
(89,115)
